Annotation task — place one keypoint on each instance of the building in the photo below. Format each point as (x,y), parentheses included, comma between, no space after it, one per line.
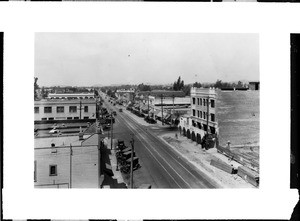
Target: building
(64,109)
(125,95)
(71,96)
(202,119)
(163,105)
(254,85)
(66,162)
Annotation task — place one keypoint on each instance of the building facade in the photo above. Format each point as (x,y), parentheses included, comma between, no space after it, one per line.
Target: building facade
(66,162)
(71,96)
(254,85)
(61,109)
(202,119)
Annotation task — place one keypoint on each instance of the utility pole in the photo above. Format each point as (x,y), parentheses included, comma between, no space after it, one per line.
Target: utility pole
(131,163)
(99,154)
(80,110)
(148,106)
(173,111)
(162,110)
(207,116)
(111,131)
(71,154)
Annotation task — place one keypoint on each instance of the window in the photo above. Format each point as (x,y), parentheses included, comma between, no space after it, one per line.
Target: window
(86,109)
(200,101)
(51,118)
(194,112)
(203,102)
(85,117)
(200,114)
(69,118)
(73,109)
(47,109)
(212,130)
(212,102)
(194,100)
(60,109)
(212,117)
(44,118)
(199,125)
(204,115)
(76,118)
(35,175)
(53,170)
(36,110)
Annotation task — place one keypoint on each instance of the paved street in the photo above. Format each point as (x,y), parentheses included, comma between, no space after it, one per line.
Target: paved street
(161,167)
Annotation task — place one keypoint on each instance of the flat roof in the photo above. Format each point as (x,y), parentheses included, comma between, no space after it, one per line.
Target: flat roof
(64,101)
(59,141)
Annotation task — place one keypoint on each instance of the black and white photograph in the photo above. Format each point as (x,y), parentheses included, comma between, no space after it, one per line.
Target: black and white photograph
(146,110)
(134,111)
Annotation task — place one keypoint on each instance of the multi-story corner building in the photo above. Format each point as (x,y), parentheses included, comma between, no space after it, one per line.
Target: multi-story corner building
(202,119)
(64,109)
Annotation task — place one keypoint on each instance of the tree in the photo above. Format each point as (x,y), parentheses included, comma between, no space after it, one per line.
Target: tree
(218,84)
(96,92)
(187,90)
(197,84)
(239,84)
(36,87)
(143,87)
(44,93)
(178,85)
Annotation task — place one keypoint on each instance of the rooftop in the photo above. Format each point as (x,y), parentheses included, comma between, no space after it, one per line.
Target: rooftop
(64,101)
(165,93)
(58,141)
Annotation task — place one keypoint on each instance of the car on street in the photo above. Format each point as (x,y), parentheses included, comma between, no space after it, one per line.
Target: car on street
(150,120)
(120,110)
(106,126)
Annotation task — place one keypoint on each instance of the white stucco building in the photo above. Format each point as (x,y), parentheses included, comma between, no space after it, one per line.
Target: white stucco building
(63,109)
(202,119)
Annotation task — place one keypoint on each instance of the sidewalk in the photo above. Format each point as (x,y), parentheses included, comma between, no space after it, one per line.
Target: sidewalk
(115,181)
(193,153)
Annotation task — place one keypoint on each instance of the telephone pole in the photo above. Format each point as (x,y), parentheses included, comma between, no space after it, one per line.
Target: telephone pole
(131,163)
(99,153)
(111,143)
(80,110)
(148,106)
(71,154)
(162,110)
(207,116)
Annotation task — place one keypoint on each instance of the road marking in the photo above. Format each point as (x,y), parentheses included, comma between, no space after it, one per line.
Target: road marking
(130,125)
(155,158)
(146,131)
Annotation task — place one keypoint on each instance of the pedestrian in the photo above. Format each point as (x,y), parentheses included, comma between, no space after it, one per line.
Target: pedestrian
(176,135)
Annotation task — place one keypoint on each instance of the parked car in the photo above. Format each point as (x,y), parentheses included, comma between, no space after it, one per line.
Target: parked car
(106,126)
(120,110)
(150,120)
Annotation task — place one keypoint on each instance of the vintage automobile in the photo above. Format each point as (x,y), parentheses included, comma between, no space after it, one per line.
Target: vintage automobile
(125,168)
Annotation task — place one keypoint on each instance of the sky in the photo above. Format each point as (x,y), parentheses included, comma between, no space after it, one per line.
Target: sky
(87,59)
